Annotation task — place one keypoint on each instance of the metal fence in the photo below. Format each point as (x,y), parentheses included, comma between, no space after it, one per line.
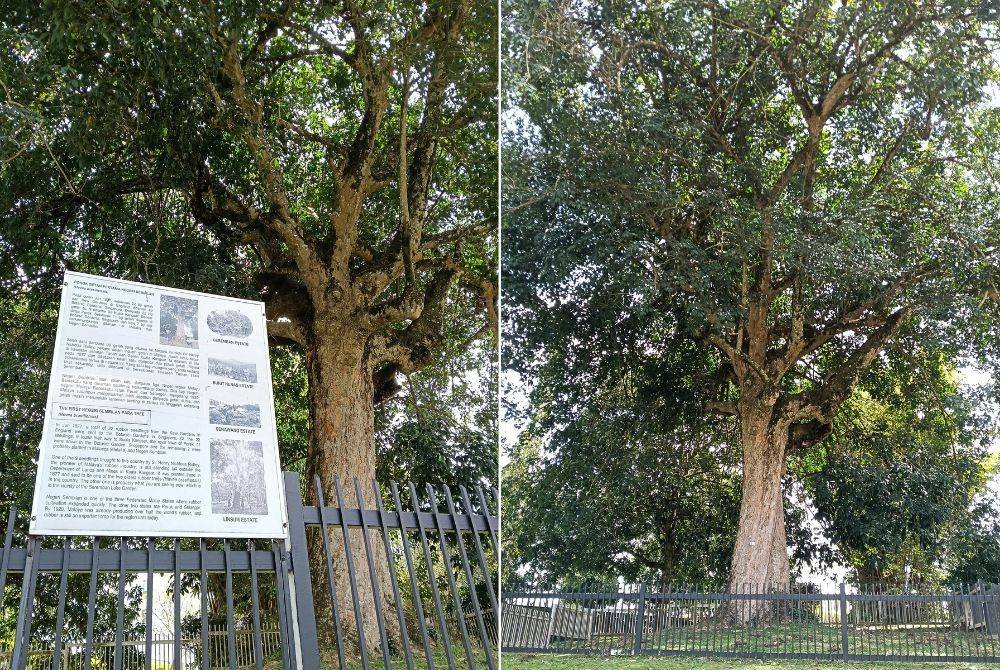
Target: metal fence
(872,622)
(133,647)
(440,565)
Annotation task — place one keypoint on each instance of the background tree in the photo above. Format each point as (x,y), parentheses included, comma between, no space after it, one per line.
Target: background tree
(618,472)
(333,159)
(901,481)
(807,180)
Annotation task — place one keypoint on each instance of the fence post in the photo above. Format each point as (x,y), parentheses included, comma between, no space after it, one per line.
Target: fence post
(640,619)
(303,613)
(843,621)
(989,624)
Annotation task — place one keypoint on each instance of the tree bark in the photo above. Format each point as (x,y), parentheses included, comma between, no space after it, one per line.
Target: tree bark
(780,569)
(760,559)
(341,445)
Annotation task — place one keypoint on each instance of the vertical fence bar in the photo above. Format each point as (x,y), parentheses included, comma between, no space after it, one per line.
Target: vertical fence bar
(492,529)
(545,625)
(22,641)
(843,622)
(258,647)
(414,585)
(230,624)
(284,625)
(450,574)
(293,653)
(435,594)
(120,611)
(672,640)
(990,625)
(373,575)
(57,643)
(640,613)
(8,538)
(351,576)
(330,578)
(391,561)
(557,626)
(582,622)
(680,608)
(490,591)
(570,620)
(981,606)
(177,605)
(88,643)
(711,617)
(305,614)
(470,579)
(149,604)
(489,520)
(206,656)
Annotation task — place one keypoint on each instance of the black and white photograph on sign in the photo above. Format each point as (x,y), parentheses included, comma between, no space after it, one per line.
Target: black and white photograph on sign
(232,369)
(230,323)
(233,414)
(237,477)
(178,321)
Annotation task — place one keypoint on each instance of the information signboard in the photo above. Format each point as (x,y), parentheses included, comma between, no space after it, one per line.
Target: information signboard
(160,416)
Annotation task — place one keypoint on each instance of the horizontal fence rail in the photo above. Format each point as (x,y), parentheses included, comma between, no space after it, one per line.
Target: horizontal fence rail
(871,622)
(429,565)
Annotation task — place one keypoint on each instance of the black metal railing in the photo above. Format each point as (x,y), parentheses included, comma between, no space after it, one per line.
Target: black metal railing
(871,622)
(40,654)
(439,566)
(451,608)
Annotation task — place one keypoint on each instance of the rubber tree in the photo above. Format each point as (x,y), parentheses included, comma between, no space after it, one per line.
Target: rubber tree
(341,153)
(808,180)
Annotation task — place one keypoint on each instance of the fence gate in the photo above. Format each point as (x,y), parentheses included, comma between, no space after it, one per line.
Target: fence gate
(438,548)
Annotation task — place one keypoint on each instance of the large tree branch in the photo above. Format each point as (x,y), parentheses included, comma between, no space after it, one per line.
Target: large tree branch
(721,407)
(385,267)
(411,348)
(485,291)
(247,122)
(821,402)
(738,360)
(287,307)
(856,316)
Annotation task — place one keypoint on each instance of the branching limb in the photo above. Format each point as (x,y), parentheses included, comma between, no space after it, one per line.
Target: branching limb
(721,407)
(821,402)
(247,122)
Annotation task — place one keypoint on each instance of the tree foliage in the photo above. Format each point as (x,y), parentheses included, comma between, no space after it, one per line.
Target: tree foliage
(902,484)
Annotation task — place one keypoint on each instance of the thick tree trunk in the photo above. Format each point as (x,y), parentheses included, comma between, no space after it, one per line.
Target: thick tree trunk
(760,559)
(781,576)
(342,444)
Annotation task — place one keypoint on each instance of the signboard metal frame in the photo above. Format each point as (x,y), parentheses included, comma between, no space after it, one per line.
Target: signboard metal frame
(275,494)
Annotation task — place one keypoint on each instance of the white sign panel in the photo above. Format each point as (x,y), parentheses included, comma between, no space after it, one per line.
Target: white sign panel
(160,416)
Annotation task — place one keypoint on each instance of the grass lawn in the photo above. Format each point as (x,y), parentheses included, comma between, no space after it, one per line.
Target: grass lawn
(328,659)
(575,662)
(824,638)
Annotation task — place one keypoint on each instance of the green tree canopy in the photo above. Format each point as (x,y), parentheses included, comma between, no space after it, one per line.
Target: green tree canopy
(903,477)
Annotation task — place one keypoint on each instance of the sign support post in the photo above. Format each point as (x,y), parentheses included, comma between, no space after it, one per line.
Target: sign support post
(303,614)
